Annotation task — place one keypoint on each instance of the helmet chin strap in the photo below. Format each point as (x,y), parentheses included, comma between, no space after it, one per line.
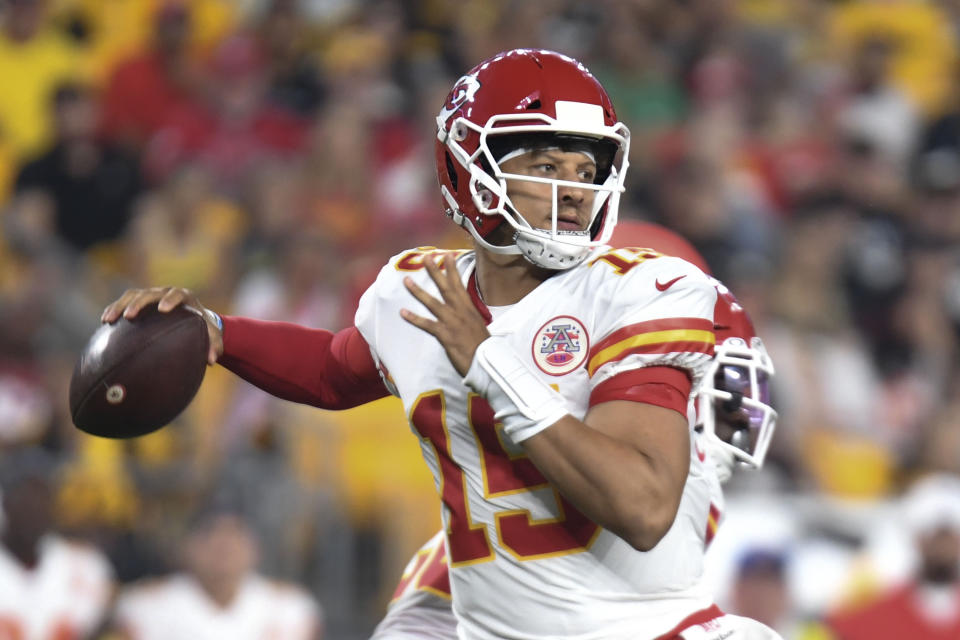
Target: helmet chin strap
(506,250)
(538,247)
(535,246)
(545,249)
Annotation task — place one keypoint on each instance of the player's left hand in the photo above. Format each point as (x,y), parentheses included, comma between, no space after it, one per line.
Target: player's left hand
(458,326)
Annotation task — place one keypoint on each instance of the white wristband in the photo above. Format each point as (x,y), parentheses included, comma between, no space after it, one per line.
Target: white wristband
(523,403)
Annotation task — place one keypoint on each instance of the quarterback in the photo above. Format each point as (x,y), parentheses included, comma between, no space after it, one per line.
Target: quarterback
(733,422)
(546,374)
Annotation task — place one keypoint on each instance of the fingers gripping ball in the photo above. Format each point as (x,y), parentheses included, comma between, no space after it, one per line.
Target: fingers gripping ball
(135,376)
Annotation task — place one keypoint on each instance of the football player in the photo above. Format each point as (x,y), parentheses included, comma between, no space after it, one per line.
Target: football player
(50,586)
(218,595)
(546,374)
(734,422)
(421,607)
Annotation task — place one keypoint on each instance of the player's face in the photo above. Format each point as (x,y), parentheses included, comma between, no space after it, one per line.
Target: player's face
(534,200)
(939,555)
(222,551)
(28,510)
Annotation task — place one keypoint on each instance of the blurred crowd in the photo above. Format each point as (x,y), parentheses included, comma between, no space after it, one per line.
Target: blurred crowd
(272,154)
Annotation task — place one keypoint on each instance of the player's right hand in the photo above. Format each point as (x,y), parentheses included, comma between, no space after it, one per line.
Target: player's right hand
(132,301)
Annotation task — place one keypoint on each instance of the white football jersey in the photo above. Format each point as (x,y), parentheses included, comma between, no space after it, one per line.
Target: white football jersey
(177,608)
(64,596)
(524,562)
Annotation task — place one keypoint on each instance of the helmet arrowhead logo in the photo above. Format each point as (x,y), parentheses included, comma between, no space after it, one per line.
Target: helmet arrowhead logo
(463,91)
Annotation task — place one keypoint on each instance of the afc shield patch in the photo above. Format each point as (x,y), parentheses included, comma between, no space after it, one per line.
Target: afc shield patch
(560,345)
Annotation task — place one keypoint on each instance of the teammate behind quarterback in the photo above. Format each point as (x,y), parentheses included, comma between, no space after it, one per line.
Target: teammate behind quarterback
(546,374)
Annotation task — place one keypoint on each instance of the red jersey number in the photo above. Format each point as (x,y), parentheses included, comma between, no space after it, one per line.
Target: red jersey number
(503,473)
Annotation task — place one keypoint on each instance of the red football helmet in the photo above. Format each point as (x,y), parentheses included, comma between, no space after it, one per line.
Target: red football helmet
(734,403)
(519,100)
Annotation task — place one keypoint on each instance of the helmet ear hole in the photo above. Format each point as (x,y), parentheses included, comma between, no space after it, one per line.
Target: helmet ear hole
(597,224)
(452,172)
(486,198)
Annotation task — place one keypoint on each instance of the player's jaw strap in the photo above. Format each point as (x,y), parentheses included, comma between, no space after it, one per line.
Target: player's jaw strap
(523,403)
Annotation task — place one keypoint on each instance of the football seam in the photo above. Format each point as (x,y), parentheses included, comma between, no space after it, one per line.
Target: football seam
(95,388)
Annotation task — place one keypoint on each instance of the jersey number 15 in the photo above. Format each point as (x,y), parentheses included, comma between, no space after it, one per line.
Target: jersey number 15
(503,474)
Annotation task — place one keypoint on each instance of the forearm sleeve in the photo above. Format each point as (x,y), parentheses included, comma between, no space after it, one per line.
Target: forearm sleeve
(310,366)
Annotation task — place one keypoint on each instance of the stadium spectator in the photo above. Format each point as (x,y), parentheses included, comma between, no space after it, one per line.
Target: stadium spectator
(242,128)
(35,58)
(158,90)
(295,80)
(874,111)
(185,229)
(91,186)
(938,443)
(923,42)
(927,605)
(759,590)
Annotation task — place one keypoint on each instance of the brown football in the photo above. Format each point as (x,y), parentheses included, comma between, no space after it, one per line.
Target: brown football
(135,376)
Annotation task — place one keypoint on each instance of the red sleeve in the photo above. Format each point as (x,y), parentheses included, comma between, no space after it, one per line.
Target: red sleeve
(310,366)
(666,387)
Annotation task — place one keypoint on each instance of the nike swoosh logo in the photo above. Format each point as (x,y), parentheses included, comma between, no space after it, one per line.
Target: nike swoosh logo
(663,286)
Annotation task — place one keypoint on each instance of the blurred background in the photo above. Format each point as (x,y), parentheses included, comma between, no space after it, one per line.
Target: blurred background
(272,154)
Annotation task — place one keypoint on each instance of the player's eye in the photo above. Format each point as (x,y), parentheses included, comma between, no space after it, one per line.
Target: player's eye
(545,167)
(587,175)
